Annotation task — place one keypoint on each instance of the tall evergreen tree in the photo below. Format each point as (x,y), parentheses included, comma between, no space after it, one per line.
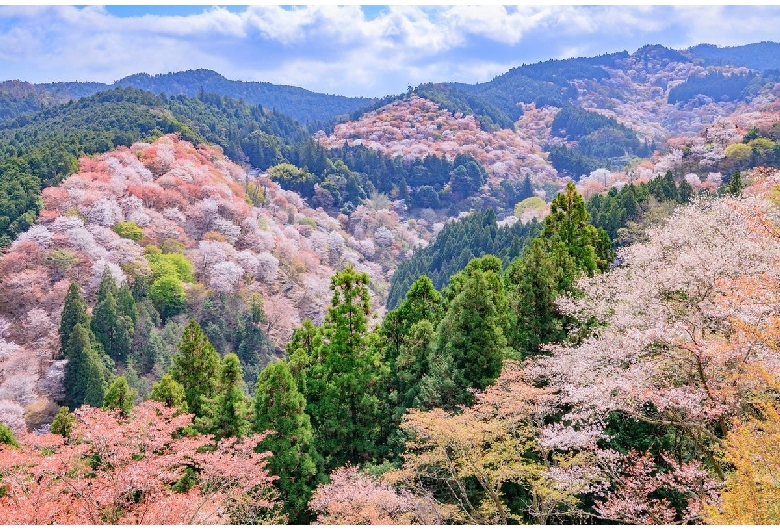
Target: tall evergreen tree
(85,373)
(533,283)
(112,328)
(472,331)
(569,223)
(279,407)
(196,367)
(74,312)
(342,384)
(227,414)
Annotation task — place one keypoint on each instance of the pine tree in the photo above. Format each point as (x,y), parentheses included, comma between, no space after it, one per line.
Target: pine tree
(343,382)
(226,415)
(422,302)
(85,373)
(112,328)
(735,185)
(534,282)
(279,407)
(569,223)
(126,303)
(74,312)
(196,367)
(472,331)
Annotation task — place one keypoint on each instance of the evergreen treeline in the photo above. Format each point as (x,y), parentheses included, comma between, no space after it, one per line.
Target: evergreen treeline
(615,209)
(718,86)
(298,103)
(599,139)
(341,178)
(758,56)
(456,245)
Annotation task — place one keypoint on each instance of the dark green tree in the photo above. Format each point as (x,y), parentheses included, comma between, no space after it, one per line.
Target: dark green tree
(279,407)
(735,185)
(85,374)
(196,368)
(227,414)
(342,382)
(112,328)
(569,223)
(472,330)
(74,312)
(534,281)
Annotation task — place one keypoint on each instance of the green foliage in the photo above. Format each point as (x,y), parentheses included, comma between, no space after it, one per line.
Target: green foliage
(735,185)
(235,323)
(569,223)
(342,376)
(7,436)
(616,209)
(196,368)
(715,85)
(63,422)
(86,376)
(599,139)
(112,328)
(226,415)
(567,247)
(473,236)
(471,333)
(129,230)
(534,282)
(293,178)
(119,397)
(73,313)
(279,407)
(167,295)
(170,392)
(87,371)
(758,56)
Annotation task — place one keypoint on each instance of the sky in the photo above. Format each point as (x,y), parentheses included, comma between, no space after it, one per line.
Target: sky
(348,50)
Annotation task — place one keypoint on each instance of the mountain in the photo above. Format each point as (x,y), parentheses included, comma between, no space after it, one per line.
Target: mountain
(758,56)
(245,246)
(298,103)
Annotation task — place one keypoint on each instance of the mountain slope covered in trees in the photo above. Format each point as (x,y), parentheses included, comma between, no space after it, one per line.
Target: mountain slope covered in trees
(298,103)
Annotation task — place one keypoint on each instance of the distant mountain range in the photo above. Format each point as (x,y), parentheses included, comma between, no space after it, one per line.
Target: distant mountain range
(298,103)
(495,102)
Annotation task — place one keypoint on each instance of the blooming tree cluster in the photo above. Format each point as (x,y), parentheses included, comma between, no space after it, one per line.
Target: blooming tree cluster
(137,470)
(193,199)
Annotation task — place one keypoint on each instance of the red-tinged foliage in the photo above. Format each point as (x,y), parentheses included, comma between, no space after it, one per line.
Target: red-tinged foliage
(353,497)
(642,487)
(121,471)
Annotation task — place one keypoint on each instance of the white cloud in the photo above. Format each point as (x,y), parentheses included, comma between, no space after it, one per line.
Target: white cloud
(339,49)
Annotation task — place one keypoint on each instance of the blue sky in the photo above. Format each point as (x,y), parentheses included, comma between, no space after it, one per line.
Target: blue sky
(349,50)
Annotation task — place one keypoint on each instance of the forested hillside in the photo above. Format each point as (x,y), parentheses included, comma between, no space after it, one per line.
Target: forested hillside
(545,299)
(298,103)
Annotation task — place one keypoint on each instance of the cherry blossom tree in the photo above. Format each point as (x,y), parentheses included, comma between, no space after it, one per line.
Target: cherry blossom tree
(119,471)
(352,498)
